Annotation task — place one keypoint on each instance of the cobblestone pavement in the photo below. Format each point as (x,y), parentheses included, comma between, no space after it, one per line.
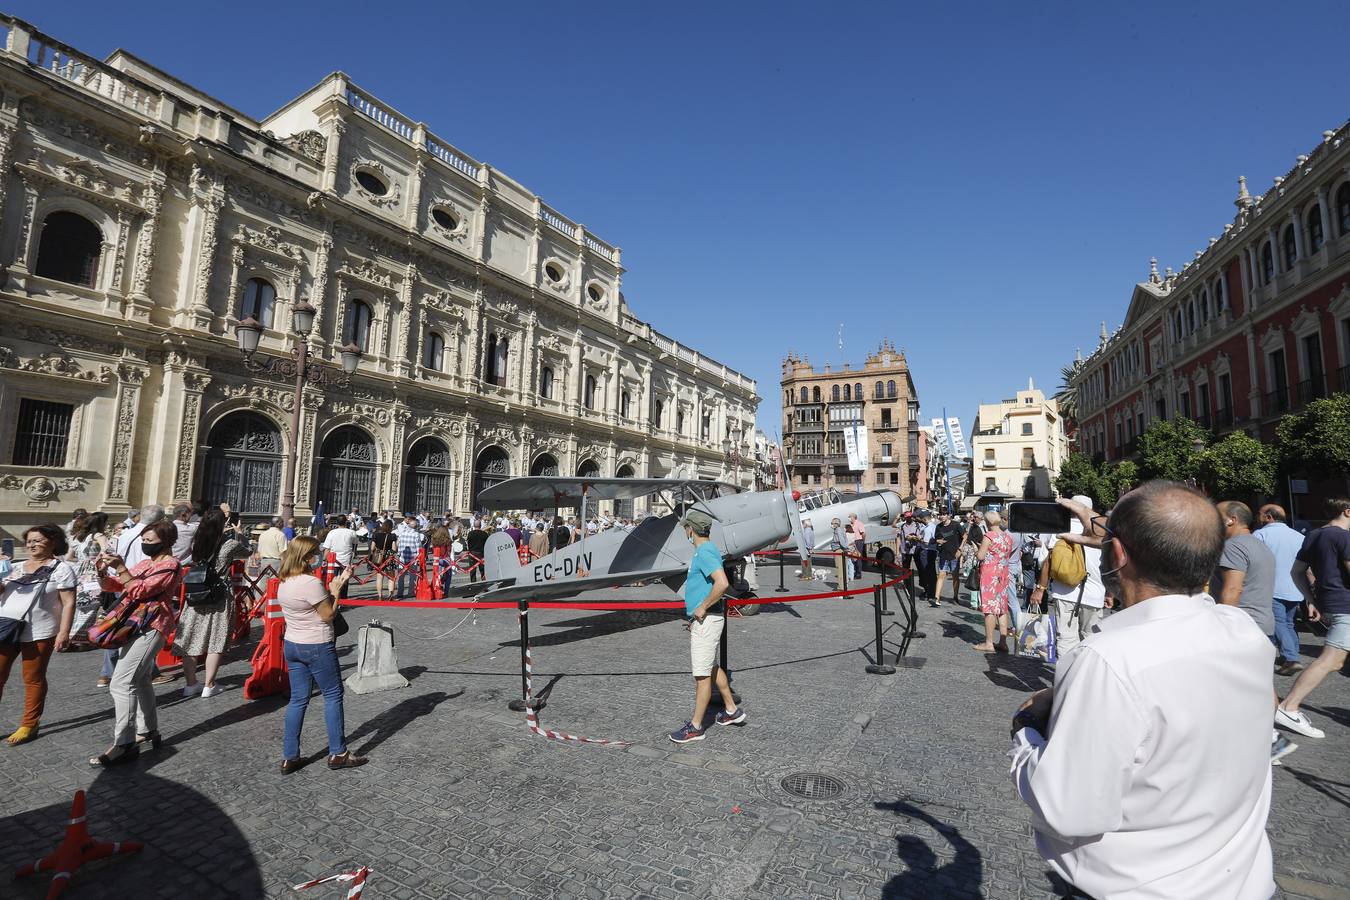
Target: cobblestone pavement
(460,799)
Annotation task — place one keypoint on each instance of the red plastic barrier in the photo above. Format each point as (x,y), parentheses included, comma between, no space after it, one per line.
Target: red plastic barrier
(423,584)
(438,564)
(269,661)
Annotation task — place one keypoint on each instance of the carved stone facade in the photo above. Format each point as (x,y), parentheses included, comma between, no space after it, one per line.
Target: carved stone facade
(491,326)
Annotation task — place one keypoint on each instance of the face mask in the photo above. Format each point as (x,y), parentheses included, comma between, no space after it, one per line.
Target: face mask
(150,547)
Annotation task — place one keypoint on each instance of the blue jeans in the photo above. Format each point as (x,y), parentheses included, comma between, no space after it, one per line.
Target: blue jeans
(406,587)
(1286,635)
(306,664)
(109,660)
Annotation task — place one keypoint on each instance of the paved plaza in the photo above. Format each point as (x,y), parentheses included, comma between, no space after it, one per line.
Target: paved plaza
(461,799)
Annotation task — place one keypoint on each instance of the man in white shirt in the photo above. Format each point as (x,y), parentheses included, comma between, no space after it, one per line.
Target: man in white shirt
(1285,543)
(341,541)
(1147,766)
(1076,605)
(187,530)
(129,542)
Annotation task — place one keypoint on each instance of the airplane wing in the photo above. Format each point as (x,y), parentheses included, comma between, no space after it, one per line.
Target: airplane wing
(547,491)
(552,590)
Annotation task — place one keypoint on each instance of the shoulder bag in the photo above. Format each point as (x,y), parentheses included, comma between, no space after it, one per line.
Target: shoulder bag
(11,630)
(122,624)
(202,584)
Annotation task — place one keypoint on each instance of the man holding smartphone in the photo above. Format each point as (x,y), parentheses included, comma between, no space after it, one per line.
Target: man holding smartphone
(1077,605)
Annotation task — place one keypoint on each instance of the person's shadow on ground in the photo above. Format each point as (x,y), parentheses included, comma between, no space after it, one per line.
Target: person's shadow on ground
(923,876)
(128,803)
(393,720)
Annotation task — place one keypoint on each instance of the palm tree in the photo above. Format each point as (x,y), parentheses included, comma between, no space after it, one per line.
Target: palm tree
(1067,395)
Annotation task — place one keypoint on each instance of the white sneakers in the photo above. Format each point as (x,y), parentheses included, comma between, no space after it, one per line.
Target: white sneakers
(211,690)
(205,690)
(191,690)
(1297,721)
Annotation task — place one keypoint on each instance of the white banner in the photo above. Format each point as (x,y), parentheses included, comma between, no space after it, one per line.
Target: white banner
(855,445)
(958,440)
(940,436)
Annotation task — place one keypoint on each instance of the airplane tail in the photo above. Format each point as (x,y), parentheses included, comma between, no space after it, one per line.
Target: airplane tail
(500,560)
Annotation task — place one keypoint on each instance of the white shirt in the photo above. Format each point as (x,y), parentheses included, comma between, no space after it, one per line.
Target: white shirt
(1155,781)
(182,547)
(46,615)
(1094,594)
(929,532)
(129,545)
(342,541)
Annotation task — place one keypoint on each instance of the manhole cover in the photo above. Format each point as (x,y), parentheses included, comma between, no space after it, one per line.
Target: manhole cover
(813,786)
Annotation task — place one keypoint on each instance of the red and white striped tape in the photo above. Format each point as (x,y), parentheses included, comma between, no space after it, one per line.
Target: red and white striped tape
(357,878)
(532,719)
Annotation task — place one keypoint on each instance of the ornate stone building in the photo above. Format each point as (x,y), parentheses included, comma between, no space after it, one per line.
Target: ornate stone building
(818,406)
(142,220)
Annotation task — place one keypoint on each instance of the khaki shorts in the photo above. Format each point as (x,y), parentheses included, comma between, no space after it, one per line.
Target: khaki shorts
(704,638)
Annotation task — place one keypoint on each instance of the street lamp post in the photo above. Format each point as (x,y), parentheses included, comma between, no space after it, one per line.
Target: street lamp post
(731,446)
(249,332)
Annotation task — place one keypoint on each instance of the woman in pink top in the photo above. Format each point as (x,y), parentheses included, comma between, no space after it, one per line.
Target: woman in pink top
(310,652)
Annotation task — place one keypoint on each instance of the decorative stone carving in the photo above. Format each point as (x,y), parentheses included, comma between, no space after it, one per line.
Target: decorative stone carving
(309,144)
(446,302)
(254,393)
(58,363)
(367,271)
(269,239)
(187,442)
(389,198)
(124,438)
(42,487)
(379,414)
(82,131)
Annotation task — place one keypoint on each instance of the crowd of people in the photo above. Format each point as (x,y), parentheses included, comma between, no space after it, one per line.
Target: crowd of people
(128,588)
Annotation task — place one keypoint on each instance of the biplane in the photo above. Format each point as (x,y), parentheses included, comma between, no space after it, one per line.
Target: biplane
(655,550)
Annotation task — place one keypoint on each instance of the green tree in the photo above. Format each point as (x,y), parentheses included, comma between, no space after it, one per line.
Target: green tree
(1067,396)
(1317,440)
(1116,480)
(1167,449)
(1237,467)
(1077,475)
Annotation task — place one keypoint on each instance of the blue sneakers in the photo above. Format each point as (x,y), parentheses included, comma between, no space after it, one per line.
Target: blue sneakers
(686,734)
(731,718)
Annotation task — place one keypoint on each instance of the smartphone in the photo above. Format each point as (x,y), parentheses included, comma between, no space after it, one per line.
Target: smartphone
(7,547)
(1038,517)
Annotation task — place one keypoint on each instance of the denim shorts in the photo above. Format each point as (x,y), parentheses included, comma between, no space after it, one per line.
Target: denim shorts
(949,565)
(1338,630)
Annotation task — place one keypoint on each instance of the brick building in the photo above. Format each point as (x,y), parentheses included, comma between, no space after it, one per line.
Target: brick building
(818,406)
(1255,326)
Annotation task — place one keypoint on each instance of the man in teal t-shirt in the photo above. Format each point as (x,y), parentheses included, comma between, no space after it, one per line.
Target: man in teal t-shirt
(703,590)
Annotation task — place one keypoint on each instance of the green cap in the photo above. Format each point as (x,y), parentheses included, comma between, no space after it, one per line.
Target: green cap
(698,520)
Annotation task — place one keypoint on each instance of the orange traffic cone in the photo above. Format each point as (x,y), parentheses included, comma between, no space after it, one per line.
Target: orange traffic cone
(423,583)
(76,849)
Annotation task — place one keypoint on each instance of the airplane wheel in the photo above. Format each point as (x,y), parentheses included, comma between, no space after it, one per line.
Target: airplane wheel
(751,609)
(887,557)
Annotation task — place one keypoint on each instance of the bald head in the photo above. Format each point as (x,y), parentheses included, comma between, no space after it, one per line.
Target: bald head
(1172,534)
(1272,512)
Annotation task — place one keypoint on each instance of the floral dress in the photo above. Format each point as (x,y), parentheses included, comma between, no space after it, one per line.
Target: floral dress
(994,575)
(88,591)
(205,628)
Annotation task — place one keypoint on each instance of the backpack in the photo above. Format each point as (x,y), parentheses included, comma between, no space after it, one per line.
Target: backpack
(1067,563)
(202,584)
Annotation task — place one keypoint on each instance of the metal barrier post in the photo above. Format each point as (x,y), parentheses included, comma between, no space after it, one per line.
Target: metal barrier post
(520,705)
(781,589)
(878,667)
(881,573)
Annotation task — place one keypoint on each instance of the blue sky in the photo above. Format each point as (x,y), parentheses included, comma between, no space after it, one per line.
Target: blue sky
(982,183)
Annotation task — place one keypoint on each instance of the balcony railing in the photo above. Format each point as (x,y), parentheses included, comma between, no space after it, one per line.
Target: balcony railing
(1310,389)
(886,426)
(1277,401)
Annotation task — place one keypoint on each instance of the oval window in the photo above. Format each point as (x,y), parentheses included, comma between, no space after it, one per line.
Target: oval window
(554,272)
(444,218)
(595,292)
(371,182)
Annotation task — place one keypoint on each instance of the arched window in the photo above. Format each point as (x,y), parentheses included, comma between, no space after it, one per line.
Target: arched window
(879,390)
(623,404)
(69,249)
(546,382)
(1314,222)
(1267,263)
(545,465)
(1190,316)
(803,393)
(588,469)
(1204,305)
(679,421)
(494,362)
(857,391)
(1220,290)
(815,394)
(259,299)
(1343,208)
(433,357)
(787,398)
(493,465)
(588,391)
(834,393)
(624,508)
(243,464)
(1290,247)
(357,330)
(347,470)
(426,482)
(659,412)
(890,389)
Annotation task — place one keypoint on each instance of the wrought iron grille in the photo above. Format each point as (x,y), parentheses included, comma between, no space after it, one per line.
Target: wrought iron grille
(43,433)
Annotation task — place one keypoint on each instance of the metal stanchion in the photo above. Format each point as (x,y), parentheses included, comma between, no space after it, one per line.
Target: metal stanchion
(878,667)
(781,589)
(881,573)
(519,705)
